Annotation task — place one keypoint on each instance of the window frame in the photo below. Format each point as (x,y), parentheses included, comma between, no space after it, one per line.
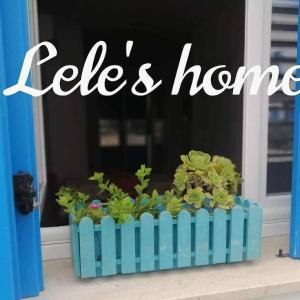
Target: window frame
(255,128)
(38,107)
(55,240)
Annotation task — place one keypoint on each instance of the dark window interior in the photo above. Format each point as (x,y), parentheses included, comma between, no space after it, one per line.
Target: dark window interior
(116,134)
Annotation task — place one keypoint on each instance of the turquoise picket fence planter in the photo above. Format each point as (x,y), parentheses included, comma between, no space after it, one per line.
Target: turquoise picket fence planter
(167,243)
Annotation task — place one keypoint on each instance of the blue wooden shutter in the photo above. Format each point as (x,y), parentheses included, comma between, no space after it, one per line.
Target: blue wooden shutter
(295,205)
(17,112)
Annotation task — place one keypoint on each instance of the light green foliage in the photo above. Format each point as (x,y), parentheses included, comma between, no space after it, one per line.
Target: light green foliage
(222,199)
(99,179)
(200,181)
(106,186)
(172,203)
(226,169)
(194,197)
(144,202)
(77,204)
(141,175)
(119,204)
(181,179)
(96,214)
(121,209)
(201,177)
(196,161)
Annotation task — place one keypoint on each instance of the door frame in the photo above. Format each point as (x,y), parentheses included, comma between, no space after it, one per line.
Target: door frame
(56,241)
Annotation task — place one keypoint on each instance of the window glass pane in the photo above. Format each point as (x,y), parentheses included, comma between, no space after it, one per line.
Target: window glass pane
(117,134)
(281,107)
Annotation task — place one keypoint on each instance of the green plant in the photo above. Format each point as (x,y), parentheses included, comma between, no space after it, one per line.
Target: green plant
(200,181)
(222,199)
(108,187)
(145,202)
(172,203)
(77,204)
(201,177)
(194,197)
(95,212)
(226,169)
(141,175)
(121,209)
(120,206)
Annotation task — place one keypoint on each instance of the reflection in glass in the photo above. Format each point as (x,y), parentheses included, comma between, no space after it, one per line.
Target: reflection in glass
(109,133)
(136,133)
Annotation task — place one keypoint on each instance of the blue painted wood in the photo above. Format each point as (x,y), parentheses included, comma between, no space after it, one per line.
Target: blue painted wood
(219,236)
(147,242)
(128,264)
(254,227)
(295,202)
(155,247)
(238,200)
(97,235)
(236,234)
(75,248)
(108,246)
(87,248)
(165,241)
(15,39)
(184,239)
(202,237)
(9,274)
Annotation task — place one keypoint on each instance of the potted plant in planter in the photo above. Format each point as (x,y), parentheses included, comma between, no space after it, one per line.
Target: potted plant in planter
(200,221)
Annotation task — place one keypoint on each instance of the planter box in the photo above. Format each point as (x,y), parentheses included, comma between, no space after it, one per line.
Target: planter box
(167,243)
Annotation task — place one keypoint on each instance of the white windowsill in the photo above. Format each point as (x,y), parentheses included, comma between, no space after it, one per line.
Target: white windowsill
(266,277)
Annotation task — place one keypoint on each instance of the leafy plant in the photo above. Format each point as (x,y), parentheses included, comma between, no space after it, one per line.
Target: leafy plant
(121,209)
(172,203)
(201,177)
(199,181)
(194,197)
(141,175)
(222,199)
(113,191)
(120,206)
(145,202)
(77,204)
(95,212)
(98,177)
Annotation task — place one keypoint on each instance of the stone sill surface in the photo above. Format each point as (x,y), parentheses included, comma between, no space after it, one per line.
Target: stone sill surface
(268,276)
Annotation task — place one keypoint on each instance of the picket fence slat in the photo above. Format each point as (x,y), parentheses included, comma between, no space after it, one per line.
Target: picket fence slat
(87,248)
(236,234)
(253,231)
(219,236)
(97,236)
(128,264)
(75,248)
(147,242)
(202,238)
(184,239)
(108,246)
(165,241)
